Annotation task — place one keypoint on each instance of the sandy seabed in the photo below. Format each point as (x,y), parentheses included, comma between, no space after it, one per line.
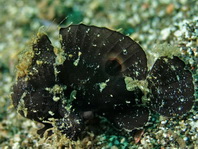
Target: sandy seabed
(153,24)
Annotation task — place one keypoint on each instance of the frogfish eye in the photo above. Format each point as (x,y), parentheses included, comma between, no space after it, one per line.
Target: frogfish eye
(113,67)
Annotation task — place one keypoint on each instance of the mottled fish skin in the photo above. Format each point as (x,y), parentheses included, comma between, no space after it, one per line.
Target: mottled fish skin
(29,91)
(107,56)
(130,119)
(171,87)
(86,77)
